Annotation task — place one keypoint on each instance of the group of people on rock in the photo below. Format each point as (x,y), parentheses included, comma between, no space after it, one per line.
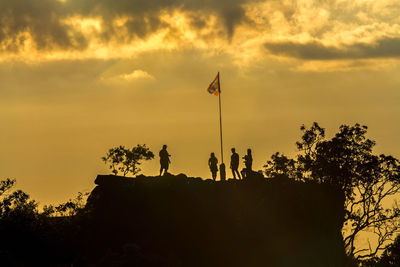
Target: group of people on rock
(213,163)
(248,162)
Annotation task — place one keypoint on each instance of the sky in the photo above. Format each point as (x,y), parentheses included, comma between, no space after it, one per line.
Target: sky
(78,77)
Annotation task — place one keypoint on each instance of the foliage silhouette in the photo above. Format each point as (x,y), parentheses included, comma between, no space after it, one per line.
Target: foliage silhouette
(121,159)
(14,203)
(30,237)
(391,256)
(70,208)
(346,161)
(281,166)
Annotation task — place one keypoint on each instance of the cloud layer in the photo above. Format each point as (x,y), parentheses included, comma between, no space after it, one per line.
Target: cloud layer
(248,30)
(382,48)
(38,20)
(43,21)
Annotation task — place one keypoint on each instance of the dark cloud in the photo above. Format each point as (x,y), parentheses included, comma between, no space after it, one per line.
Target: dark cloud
(382,48)
(229,11)
(43,19)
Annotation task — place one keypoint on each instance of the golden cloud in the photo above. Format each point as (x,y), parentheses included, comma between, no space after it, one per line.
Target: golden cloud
(247,30)
(128,77)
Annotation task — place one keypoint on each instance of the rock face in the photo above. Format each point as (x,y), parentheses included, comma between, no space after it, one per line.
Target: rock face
(181,221)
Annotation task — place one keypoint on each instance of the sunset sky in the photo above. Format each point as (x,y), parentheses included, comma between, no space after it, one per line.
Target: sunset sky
(78,77)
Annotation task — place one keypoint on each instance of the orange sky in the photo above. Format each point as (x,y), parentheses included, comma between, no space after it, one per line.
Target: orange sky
(78,77)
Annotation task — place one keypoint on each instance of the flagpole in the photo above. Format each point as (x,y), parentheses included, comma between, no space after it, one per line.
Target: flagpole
(220,117)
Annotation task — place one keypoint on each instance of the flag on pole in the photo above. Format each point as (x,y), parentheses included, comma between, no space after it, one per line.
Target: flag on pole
(213,88)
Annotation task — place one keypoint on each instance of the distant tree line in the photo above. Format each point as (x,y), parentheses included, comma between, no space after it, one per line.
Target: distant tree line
(34,237)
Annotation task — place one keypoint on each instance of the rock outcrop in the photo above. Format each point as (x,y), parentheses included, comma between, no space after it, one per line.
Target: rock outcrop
(182,221)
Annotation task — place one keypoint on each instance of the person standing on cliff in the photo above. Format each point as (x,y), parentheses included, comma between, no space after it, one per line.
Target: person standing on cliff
(213,164)
(248,162)
(164,160)
(235,164)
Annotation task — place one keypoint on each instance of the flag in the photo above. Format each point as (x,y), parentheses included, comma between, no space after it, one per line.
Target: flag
(213,88)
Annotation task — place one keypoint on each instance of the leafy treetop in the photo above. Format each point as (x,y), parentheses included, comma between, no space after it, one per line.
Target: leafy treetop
(124,160)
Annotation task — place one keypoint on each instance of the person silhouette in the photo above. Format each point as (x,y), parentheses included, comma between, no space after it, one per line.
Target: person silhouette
(248,162)
(164,160)
(235,163)
(213,164)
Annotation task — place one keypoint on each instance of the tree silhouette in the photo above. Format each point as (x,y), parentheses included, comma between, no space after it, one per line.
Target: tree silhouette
(391,256)
(368,181)
(121,159)
(281,166)
(15,203)
(70,208)
(30,237)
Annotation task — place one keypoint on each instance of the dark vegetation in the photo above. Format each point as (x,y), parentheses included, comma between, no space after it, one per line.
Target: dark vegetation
(370,182)
(125,160)
(30,237)
(295,217)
